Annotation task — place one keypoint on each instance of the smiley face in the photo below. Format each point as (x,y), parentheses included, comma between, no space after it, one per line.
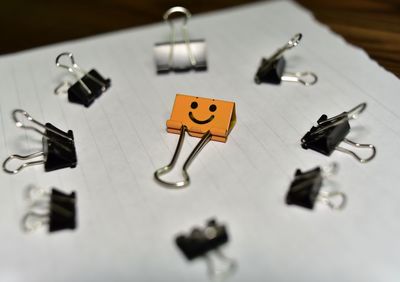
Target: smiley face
(194,105)
(200,115)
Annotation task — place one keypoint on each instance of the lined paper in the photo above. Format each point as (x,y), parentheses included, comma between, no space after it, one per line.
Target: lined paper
(127,222)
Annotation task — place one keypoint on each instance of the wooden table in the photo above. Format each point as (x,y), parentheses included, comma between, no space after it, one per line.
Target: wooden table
(371,24)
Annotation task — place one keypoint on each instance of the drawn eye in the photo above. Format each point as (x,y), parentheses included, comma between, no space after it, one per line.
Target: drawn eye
(212,108)
(194,105)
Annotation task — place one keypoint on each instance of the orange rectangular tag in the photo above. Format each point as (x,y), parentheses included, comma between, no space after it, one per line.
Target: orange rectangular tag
(200,115)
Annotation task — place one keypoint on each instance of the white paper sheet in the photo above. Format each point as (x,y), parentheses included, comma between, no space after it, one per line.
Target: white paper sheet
(127,222)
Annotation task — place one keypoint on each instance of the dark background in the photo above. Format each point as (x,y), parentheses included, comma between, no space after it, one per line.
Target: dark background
(371,24)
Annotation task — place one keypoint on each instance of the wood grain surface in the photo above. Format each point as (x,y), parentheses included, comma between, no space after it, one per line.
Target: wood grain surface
(371,24)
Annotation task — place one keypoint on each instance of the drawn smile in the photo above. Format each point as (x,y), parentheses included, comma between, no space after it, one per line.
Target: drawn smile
(200,121)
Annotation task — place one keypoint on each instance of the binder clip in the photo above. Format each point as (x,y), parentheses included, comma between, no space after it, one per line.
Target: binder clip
(55,209)
(305,189)
(89,85)
(58,147)
(209,119)
(180,55)
(329,133)
(272,70)
(202,243)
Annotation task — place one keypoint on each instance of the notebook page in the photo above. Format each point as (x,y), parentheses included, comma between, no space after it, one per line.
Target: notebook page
(127,222)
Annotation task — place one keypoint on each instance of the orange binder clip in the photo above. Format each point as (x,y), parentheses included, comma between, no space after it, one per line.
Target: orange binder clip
(209,119)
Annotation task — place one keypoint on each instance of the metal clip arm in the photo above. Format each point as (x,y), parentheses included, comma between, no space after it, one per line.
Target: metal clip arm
(24,165)
(358,145)
(185,32)
(327,198)
(340,118)
(165,169)
(293,42)
(306,78)
(218,274)
(20,124)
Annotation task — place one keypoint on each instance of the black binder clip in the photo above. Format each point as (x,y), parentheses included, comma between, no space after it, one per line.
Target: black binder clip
(329,133)
(89,85)
(58,147)
(305,189)
(180,55)
(272,70)
(200,242)
(55,209)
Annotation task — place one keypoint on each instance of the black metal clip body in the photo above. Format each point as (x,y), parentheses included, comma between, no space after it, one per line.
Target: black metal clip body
(89,85)
(200,242)
(305,189)
(272,70)
(55,209)
(330,132)
(325,141)
(58,147)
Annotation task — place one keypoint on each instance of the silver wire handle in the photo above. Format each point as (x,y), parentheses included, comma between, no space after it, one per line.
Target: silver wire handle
(216,274)
(293,42)
(306,78)
(340,118)
(33,221)
(25,114)
(357,145)
(165,169)
(185,32)
(33,193)
(38,214)
(327,198)
(24,165)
